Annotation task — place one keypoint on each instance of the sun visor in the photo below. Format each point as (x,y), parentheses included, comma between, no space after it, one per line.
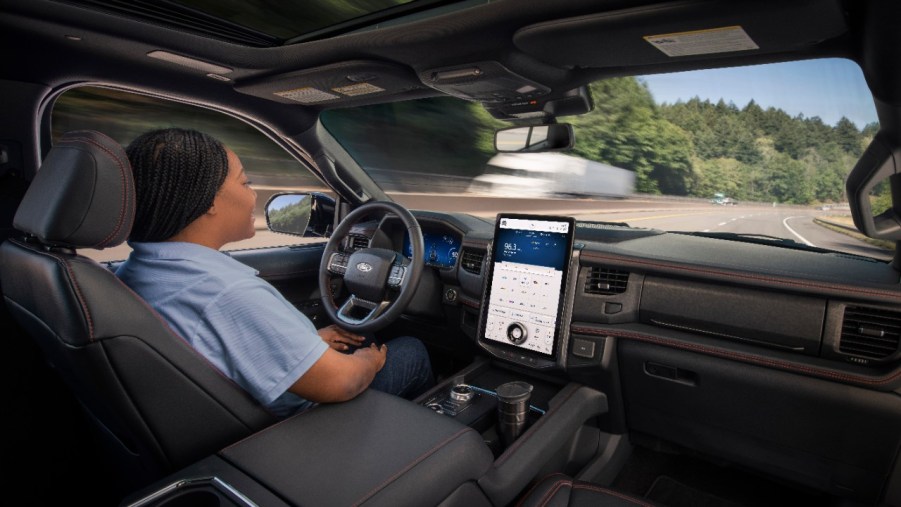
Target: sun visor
(674,31)
(344,83)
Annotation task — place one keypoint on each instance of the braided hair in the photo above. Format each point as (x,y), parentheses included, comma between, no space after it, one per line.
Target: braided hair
(177,174)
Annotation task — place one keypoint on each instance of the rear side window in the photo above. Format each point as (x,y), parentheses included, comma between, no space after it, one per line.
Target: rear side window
(123,116)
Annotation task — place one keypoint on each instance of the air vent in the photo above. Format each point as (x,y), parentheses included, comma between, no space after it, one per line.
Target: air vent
(356,242)
(870,333)
(472,261)
(606,281)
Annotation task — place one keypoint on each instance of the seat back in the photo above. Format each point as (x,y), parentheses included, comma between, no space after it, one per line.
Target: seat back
(159,404)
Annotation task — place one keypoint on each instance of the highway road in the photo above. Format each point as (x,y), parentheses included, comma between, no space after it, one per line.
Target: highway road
(795,223)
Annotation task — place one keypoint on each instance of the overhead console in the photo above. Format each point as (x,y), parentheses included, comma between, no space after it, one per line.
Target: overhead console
(527,289)
(505,94)
(486,82)
(345,83)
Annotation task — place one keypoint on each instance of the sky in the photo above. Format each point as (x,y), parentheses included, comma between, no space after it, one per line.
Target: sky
(828,88)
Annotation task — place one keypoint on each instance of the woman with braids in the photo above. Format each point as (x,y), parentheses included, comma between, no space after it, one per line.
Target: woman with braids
(193,197)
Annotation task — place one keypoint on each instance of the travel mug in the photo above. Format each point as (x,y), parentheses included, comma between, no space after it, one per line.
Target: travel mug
(512,410)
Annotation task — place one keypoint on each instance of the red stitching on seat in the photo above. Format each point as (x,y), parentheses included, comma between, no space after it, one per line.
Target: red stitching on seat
(553,491)
(599,489)
(539,483)
(190,347)
(122,178)
(65,264)
(775,363)
(422,457)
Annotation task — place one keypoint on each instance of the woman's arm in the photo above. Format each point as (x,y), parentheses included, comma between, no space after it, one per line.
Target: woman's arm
(340,377)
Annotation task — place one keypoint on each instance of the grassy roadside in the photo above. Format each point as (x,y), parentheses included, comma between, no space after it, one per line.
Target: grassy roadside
(839,224)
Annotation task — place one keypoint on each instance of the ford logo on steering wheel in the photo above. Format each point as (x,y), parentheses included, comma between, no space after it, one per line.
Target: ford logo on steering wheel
(364,267)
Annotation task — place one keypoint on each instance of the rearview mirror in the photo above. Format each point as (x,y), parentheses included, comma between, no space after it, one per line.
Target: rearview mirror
(874,192)
(300,214)
(534,138)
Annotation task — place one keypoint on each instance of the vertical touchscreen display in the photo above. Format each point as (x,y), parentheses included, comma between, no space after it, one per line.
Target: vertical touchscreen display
(530,259)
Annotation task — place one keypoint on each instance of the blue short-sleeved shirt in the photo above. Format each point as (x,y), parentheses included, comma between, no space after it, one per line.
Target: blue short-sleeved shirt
(238,321)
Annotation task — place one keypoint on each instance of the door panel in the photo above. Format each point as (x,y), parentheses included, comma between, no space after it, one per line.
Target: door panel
(294,271)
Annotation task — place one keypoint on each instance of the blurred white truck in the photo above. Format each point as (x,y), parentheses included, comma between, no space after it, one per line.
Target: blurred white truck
(551,174)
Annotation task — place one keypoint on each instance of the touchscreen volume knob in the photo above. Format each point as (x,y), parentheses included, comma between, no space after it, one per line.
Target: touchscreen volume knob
(516,333)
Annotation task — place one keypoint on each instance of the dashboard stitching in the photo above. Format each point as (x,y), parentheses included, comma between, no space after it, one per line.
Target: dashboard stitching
(470,304)
(742,357)
(680,327)
(751,277)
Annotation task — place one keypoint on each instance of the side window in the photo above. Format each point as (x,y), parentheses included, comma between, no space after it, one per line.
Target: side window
(123,116)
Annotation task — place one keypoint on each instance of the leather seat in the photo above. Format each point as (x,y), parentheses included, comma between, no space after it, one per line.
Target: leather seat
(562,491)
(157,403)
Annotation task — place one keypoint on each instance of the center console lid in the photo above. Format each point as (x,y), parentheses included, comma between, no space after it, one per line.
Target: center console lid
(377,449)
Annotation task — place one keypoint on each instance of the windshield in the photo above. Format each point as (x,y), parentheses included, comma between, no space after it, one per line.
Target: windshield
(751,151)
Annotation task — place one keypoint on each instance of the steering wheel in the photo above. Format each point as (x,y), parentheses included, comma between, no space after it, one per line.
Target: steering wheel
(381,282)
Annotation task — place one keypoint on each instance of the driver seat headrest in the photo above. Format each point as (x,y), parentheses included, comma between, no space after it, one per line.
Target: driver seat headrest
(83,196)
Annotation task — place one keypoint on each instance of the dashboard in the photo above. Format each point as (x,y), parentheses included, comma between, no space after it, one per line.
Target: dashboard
(790,309)
(718,345)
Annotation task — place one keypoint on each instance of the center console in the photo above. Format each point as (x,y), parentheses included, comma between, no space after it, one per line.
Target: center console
(533,423)
(554,435)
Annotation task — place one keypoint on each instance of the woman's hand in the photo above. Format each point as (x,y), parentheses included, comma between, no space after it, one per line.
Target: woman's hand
(339,339)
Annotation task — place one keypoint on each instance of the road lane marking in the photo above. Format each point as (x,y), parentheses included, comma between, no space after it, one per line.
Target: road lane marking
(802,238)
(722,223)
(664,216)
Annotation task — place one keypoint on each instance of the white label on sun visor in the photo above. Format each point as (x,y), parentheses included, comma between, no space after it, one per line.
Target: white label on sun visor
(701,42)
(358,89)
(306,95)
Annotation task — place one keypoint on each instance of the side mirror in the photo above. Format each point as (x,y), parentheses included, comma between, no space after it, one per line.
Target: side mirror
(535,138)
(300,214)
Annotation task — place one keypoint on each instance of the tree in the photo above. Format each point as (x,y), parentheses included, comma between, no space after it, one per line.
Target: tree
(848,137)
(790,180)
(629,132)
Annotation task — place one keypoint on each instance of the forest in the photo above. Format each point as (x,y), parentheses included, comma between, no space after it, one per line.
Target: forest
(698,148)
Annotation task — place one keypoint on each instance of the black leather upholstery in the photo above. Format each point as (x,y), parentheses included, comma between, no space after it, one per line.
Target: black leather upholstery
(562,491)
(159,404)
(376,449)
(83,196)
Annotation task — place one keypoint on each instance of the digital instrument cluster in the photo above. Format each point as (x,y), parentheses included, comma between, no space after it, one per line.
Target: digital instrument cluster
(441,248)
